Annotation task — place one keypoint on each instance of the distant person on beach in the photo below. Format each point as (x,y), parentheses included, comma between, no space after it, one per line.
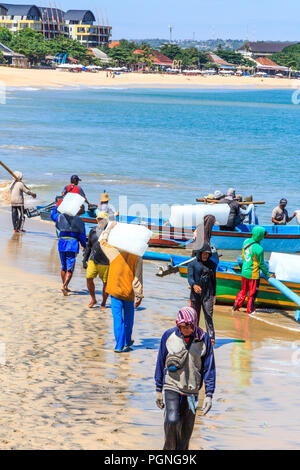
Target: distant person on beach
(95,261)
(234,218)
(17,190)
(124,284)
(185,360)
(105,206)
(253,263)
(74,187)
(202,281)
(280,215)
(71,235)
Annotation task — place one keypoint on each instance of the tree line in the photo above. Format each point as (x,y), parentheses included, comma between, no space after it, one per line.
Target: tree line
(36,48)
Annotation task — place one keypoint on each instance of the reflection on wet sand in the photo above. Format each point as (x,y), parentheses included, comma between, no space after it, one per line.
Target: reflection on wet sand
(64,387)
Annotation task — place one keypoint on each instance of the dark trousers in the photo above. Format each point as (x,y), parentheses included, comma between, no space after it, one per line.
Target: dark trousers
(18,217)
(179,421)
(207,306)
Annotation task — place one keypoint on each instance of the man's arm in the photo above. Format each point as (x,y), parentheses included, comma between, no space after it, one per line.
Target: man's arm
(110,252)
(27,191)
(191,279)
(261,262)
(160,362)
(137,283)
(54,214)
(291,218)
(88,249)
(209,368)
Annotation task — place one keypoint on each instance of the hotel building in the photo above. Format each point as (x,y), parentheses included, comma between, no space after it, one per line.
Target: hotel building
(52,22)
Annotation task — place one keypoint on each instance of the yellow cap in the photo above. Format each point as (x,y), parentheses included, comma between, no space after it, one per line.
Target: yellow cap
(102,215)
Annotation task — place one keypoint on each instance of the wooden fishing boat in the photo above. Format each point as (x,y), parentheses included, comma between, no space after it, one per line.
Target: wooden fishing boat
(229,284)
(280,238)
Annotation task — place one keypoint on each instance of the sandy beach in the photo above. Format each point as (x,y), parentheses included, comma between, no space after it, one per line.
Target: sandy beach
(64,388)
(53,78)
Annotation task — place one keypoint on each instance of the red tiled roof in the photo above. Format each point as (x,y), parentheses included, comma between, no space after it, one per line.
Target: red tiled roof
(215,59)
(266,61)
(113,44)
(159,58)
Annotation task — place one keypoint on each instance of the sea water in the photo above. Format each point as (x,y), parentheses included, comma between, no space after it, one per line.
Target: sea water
(155,145)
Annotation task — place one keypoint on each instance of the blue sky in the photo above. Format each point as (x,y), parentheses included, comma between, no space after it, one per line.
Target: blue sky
(263,19)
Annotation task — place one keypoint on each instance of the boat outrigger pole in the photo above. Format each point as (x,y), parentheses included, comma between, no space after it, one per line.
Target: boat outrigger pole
(285,291)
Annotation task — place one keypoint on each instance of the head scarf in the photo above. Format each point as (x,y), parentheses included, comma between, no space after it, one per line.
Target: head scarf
(188,315)
(230,194)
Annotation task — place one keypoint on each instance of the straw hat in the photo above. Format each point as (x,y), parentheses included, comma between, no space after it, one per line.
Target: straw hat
(104,197)
(209,196)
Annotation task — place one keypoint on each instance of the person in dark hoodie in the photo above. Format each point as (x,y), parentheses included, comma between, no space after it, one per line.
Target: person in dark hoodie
(185,361)
(71,233)
(234,217)
(202,280)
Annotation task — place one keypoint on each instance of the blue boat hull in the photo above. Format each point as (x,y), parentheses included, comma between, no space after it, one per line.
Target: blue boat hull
(284,238)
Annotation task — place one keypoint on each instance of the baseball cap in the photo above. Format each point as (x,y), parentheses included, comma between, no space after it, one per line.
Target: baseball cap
(283,201)
(75,178)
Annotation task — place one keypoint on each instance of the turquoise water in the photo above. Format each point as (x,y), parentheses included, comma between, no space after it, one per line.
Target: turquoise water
(153,145)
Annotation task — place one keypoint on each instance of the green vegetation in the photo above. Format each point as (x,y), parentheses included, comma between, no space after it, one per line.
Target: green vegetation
(35,47)
(289,57)
(189,58)
(234,58)
(2,59)
(5,36)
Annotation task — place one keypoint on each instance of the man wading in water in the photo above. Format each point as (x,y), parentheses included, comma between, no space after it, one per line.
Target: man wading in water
(17,190)
(184,361)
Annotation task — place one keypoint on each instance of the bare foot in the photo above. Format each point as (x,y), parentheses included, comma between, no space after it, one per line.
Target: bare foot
(102,307)
(64,291)
(92,303)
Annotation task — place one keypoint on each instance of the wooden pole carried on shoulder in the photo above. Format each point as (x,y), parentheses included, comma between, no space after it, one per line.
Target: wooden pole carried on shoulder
(241,203)
(12,174)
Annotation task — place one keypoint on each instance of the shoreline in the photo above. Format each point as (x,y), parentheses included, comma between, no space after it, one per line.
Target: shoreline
(65,388)
(45,79)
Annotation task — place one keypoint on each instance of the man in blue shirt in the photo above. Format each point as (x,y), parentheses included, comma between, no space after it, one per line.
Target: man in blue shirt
(71,233)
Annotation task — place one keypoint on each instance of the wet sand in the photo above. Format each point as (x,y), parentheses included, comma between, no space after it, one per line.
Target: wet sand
(63,387)
(57,78)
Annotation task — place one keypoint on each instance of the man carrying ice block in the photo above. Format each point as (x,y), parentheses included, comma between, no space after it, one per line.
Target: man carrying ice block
(124,284)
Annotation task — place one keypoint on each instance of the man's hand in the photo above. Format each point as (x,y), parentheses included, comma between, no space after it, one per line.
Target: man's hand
(137,303)
(272,275)
(207,404)
(197,289)
(113,224)
(159,400)
(33,195)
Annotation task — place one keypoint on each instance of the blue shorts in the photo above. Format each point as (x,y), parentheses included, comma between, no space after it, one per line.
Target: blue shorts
(68,259)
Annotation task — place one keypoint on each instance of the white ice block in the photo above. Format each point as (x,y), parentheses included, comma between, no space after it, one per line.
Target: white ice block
(71,204)
(286,267)
(191,215)
(130,238)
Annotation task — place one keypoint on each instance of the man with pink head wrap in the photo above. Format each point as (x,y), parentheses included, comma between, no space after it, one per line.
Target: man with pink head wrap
(185,360)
